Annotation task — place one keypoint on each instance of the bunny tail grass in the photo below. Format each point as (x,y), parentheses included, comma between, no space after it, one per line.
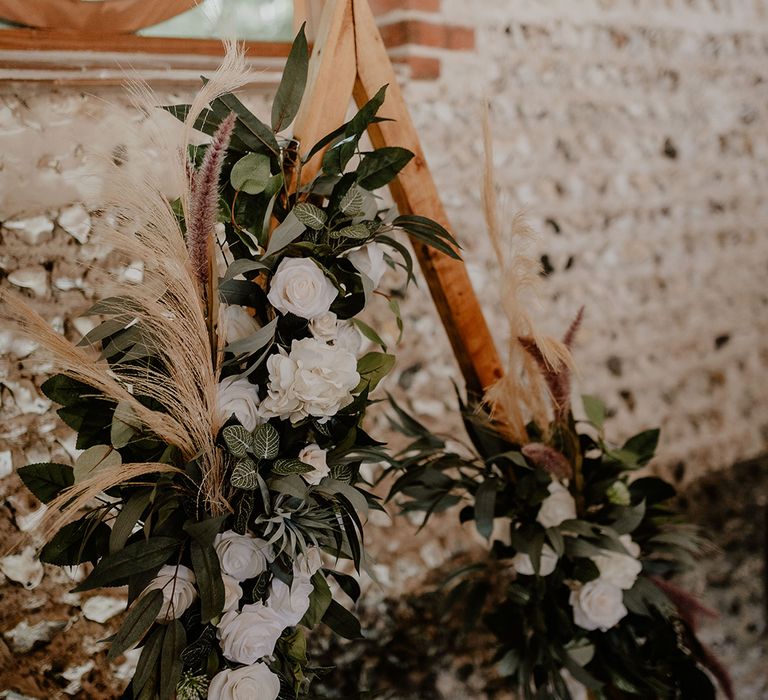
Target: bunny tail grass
(521,395)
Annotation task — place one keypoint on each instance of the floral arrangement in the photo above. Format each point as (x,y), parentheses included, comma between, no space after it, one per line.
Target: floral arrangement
(576,588)
(219,403)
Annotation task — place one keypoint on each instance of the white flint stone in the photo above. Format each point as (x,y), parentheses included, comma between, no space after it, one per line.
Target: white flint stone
(34,278)
(84,325)
(134,272)
(24,636)
(33,230)
(101,608)
(13,695)
(27,399)
(23,568)
(76,221)
(6,463)
(74,674)
(67,284)
(15,345)
(29,521)
(125,670)
(35,602)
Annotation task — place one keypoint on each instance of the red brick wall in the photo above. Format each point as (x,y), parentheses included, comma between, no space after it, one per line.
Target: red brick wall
(417,34)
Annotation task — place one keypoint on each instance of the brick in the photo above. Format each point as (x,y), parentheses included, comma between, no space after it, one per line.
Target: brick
(421,67)
(431,34)
(381,7)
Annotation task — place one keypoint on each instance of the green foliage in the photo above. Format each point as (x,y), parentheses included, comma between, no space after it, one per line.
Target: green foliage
(137,622)
(291,88)
(46,480)
(251,174)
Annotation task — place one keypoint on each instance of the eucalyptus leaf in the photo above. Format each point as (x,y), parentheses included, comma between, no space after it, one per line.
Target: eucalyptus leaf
(150,654)
(205,564)
(292,84)
(369,332)
(126,519)
(287,232)
(254,342)
(485,505)
(174,641)
(251,173)
(242,265)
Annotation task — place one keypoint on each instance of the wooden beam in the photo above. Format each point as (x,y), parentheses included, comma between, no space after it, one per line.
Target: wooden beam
(332,73)
(414,192)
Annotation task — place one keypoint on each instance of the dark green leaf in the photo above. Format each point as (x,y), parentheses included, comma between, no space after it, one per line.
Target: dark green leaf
(342,622)
(134,558)
(347,583)
(46,480)
(372,368)
(288,231)
(381,166)
(595,410)
(292,84)
(284,467)
(485,506)
(205,564)
(205,531)
(245,475)
(138,620)
(126,520)
(83,540)
(150,654)
(643,445)
(170,658)
(319,600)
(253,127)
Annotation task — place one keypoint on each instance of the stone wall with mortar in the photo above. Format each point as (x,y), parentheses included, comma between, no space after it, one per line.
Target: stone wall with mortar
(632,131)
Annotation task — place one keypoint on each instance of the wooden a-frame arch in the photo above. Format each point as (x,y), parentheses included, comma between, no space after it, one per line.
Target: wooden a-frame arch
(349,59)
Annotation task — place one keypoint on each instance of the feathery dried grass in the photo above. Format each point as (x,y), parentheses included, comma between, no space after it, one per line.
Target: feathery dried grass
(167,307)
(521,395)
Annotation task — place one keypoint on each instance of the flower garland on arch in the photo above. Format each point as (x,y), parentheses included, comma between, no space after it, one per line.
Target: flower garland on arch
(220,416)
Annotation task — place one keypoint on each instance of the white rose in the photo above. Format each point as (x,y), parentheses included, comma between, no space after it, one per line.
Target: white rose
(178,595)
(232,593)
(315,379)
(619,569)
(557,507)
(630,545)
(301,288)
(242,556)
(597,605)
(250,635)
(236,323)
(348,337)
(369,260)
(255,682)
(323,327)
(547,563)
(290,603)
(237,395)
(315,456)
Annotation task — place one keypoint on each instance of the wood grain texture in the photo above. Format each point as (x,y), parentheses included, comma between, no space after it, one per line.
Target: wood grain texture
(350,57)
(414,192)
(109,16)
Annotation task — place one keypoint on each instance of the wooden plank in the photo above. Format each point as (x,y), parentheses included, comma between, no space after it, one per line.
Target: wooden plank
(414,192)
(44,40)
(331,78)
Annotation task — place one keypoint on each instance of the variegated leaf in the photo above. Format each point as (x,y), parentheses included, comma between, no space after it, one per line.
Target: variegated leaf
(237,439)
(311,216)
(243,511)
(244,475)
(290,466)
(352,202)
(341,472)
(356,231)
(265,441)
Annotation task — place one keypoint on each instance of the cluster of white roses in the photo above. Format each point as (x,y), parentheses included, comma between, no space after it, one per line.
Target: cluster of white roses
(317,377)
(597,604)
(250,633)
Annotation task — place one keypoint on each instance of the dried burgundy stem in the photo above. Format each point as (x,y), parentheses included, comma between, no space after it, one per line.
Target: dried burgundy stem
(204,203)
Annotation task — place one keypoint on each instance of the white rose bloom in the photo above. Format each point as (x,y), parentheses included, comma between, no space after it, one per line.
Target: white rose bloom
(348,337)
(597,605)
(178,595)
(237,395)
(547,563)
(300,287)
(247,636)
(619,569)
(577,690)
(324,327)
(315,456)
(254,682)
(242,556)
(232,593)
(290,604)
(315,379)
(369,260)
(236,323)
(557,507)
